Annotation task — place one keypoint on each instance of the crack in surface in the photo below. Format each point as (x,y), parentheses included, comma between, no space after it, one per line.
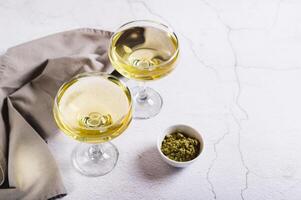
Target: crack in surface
(213,162)
(147,8)
(242,157)
(229,29)
(276,17)
(276,14)
(238,121)
(199,59)
(236,77)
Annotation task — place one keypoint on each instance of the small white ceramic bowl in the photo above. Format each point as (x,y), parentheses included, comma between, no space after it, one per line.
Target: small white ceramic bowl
(187,130)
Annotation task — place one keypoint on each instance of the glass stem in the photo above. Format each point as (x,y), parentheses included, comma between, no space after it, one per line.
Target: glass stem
(142,94)
(95,152)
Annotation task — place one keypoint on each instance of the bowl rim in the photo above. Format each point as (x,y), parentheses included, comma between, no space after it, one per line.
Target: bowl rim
(153,23)
(166,132)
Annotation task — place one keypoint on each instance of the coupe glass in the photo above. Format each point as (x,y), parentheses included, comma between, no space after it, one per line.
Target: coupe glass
(93,108)
(144,50)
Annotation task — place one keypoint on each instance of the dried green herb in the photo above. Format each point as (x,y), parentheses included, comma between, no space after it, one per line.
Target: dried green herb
(180,147)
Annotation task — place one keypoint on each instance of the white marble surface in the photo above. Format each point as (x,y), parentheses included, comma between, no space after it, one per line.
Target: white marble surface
(238,82)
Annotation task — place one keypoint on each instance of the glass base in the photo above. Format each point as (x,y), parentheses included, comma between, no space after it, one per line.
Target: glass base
(95,159)
(148,106)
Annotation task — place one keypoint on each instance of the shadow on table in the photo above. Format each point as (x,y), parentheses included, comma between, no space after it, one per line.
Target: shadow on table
(153,167)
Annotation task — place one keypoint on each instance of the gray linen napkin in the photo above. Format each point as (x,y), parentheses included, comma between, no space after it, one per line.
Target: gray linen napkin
(30,75)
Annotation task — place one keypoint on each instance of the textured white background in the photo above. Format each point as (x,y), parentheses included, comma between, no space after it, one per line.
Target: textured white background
(238,82)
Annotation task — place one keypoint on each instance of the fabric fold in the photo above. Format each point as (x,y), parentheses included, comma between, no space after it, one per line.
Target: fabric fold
(32,169)
(30,76)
